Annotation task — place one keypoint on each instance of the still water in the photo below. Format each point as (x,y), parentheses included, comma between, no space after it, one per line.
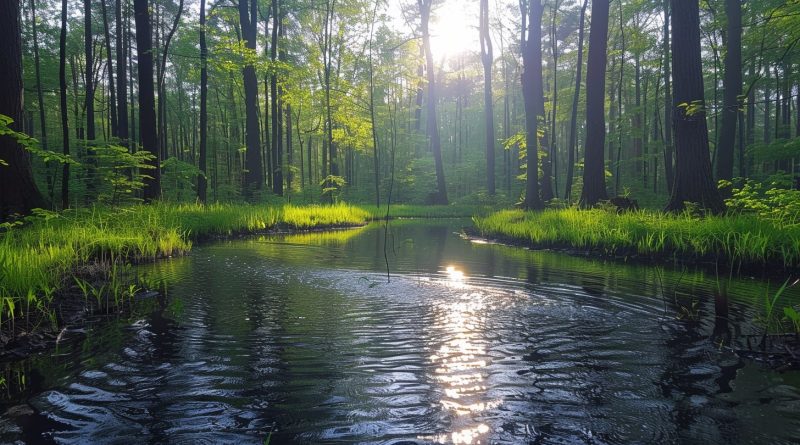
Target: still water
(301,339)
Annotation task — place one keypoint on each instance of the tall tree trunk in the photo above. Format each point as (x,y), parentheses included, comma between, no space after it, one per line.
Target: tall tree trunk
(112,92)
(329,147)
(553,158)
(289,149)
(669,156)
(531,94)
(732,85)
(376,160)
(89,97)
(267,161)
(594,173)
(147,99)
(40,95)
(18,191)
(767,102)
(487,57)
(277,167)
(122,77)
(573,123)
(254,177)
(161,86)
(620,85)
(693,179)
(202,181)
(433,126)
(62,83)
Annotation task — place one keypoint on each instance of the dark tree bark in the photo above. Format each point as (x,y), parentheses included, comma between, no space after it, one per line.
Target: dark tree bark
(202,182)
(112,92)
(18,191)
(276,155)
(573,123)
(594,173)
(487,57)
(89,98)
(693,179)
(376,160)
(40,97)
(433,125)
(552,160)
(329,148)
(62,82)
(122,76)
(161,72)
(669,157)
(287,111)
(532,96)
(147,99)
(732,85)
(254,177)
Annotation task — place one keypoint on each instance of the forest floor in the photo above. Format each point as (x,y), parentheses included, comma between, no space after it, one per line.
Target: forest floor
(742,243)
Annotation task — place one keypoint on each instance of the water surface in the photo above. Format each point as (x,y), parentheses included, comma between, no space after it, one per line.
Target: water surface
(303,338)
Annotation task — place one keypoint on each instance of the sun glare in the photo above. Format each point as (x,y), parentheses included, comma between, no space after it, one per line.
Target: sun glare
(454,29)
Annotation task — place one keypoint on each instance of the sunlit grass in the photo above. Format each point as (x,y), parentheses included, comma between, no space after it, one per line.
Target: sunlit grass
(41,256)
(733,239)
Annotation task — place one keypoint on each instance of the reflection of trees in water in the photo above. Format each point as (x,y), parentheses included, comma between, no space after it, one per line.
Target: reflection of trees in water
(696,369)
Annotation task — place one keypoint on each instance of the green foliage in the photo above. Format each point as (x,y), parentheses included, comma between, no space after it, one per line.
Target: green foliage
(121,173)
(775,202)
(332,186)
(180,177)
(31,145)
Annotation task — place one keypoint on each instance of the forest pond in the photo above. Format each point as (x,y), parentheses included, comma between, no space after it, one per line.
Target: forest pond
(301,339)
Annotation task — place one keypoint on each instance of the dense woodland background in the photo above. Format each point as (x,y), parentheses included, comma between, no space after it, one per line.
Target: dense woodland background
(320,100)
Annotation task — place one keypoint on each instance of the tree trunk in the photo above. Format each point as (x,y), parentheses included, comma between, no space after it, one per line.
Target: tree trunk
(573,123)
(147,99)
(122,77)
(433,126)
(62,82)
(376,160)
(277,168)
(553,159)
(202,181)
(40,96)
(693,179)
(594,173)
(732,85)
(89,98)
(254,177)
(534,102)
(112,92)
(669,173)
(487,57)
(18,191)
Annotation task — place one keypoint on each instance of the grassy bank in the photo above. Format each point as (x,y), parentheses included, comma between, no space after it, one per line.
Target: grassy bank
(42,256)
(745,240)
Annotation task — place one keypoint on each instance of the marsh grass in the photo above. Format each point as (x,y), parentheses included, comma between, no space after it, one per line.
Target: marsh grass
(48,252)
(737,240)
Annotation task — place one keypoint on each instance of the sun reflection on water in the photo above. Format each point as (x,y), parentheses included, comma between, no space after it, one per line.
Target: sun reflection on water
(461,360)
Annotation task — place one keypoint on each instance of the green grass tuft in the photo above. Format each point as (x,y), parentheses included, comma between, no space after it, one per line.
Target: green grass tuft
(736,239)
(40,257)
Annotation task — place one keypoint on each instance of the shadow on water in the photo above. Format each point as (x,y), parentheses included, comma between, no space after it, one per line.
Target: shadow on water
(302,337)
